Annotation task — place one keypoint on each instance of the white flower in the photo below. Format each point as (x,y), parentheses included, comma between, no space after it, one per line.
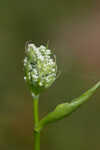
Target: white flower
(31,46)
(40,83)
(24,78)
(48,52)
(40,68)
(30,66)
(42,47)
(41,57)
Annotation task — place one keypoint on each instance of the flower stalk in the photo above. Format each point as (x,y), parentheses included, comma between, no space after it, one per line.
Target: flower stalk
(40,70)
(36,121)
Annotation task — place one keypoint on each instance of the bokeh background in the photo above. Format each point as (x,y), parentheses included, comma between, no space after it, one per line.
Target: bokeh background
(73,31)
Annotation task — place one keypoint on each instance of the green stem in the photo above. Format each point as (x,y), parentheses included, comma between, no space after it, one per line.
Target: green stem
(36,121)
(36,140)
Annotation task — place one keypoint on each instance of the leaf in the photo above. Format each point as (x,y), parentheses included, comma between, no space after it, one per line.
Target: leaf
(65,109)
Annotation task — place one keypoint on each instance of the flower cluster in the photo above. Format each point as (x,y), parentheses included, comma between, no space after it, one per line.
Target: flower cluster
(40,67)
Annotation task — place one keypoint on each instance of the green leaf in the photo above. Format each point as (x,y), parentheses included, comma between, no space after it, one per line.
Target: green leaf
(65,109)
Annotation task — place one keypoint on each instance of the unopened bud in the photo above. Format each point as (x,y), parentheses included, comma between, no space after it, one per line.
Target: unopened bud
(40,68)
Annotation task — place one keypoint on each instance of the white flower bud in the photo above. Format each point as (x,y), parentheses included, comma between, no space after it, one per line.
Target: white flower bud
(40,68)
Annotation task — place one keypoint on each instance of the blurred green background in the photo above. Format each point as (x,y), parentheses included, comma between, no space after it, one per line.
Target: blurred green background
(73,31)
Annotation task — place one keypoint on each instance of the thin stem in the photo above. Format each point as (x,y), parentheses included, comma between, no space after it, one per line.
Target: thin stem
(35,110)
(36,140)
(36,121)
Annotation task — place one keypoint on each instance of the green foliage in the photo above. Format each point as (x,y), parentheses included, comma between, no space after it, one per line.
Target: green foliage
(65,109)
